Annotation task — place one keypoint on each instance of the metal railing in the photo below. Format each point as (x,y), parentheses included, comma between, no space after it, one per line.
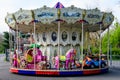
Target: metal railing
(114,61)
(2,57)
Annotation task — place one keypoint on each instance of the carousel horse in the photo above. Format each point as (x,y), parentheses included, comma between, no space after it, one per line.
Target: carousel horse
(69,59)
(31,58)
(70,55)
(36,59)
(56,62)
(16,60)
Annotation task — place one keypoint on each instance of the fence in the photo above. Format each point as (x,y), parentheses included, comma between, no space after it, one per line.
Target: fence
(114,61)
(2,57)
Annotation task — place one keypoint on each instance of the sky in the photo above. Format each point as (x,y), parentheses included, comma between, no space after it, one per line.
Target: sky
(11,6)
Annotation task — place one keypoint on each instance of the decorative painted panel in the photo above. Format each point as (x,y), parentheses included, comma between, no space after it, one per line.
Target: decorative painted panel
(10,20)
(93,16)
(24,16)
(108,18)
(71,14)
(45,14)
(53,35)
(64,36)
(74,36)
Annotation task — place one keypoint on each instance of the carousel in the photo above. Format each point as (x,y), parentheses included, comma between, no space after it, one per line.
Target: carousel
(55,46)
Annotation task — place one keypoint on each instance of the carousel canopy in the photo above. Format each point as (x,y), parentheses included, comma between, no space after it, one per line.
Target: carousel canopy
(48,17)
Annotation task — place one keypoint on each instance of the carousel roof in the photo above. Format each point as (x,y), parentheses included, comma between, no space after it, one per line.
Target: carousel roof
(69,16)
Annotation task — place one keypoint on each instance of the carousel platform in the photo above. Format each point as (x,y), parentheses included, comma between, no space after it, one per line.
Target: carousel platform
(74,72)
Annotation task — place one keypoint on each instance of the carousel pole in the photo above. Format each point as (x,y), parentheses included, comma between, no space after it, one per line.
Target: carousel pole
(108,51)
(45,53)
(12,46)
(100,51)
(58,6)
(9,41)
(15,35)
(100,40)
(9,44)
(34,51)
(86,41)
(82,43)
(19,44)
(89,47)
(59,35)
(17,52)
(71,40)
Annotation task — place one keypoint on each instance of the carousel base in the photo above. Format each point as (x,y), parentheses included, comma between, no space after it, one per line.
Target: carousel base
(59,72)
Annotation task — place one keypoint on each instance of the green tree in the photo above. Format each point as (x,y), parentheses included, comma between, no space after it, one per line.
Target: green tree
(5,44)
(6,40)
(114,40)
(1,47)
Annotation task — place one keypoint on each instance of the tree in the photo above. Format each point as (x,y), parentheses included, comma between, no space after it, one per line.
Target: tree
(114,39)
(5,43)
(6,40)
(1,47)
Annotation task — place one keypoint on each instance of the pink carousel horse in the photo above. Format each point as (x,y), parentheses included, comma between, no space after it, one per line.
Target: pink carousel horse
(56,62)
(70,57)
(16,60)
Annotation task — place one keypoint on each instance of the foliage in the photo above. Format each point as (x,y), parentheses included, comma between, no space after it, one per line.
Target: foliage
(6,40)
(114,40)
(95,50)
(1,47)
(115,51)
